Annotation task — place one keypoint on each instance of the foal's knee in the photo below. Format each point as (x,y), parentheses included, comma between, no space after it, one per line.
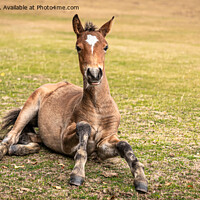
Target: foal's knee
(125,151)
(123,147)
(82,128)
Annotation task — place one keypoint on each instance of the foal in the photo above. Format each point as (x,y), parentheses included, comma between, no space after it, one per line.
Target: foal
(72,120)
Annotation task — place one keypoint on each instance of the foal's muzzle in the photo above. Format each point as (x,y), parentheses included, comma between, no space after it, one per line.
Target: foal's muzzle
(94,75)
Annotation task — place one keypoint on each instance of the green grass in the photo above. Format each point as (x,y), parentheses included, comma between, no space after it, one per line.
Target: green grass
(154,73)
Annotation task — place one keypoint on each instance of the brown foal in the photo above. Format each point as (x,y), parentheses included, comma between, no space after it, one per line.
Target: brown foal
(72,120)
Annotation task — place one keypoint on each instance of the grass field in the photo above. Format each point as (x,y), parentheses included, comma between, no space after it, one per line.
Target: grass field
(153,69)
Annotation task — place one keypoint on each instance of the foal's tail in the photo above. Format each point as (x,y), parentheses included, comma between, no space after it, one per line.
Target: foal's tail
(10,118)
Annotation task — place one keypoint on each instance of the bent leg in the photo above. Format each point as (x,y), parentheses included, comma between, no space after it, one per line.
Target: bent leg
(83,130)
(27,144)
(70,140)
(24,149)
(112,147)
(28,112)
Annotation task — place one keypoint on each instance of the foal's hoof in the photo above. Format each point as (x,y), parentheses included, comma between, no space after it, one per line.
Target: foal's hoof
(76,180)
(141,186)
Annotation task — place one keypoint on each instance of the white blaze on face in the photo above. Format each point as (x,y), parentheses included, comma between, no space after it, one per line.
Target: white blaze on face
(91,40)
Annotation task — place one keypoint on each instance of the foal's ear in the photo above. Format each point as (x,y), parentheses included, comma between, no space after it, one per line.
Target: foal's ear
(77,26)
(105,29)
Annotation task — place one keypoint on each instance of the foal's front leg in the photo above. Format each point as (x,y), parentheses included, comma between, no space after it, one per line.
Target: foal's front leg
(112,147)
(83,130)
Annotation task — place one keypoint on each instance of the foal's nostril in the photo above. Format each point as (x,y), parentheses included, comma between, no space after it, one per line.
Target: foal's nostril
(94,74)
(89,74)
(100,73)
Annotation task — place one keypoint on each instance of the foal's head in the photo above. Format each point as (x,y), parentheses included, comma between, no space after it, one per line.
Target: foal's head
(91,47)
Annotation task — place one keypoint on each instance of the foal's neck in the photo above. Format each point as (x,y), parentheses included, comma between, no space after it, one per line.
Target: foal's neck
(97,95)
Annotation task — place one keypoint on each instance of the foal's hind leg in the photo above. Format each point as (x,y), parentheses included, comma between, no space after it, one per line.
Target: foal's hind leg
(28,112)
(112,147)
(27,143)
(24,149)
(83,130)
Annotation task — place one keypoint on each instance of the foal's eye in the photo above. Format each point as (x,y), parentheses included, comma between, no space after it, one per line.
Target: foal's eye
(105,48)
(78,49)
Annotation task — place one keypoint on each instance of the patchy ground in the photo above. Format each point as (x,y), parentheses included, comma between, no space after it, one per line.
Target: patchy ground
(153,68)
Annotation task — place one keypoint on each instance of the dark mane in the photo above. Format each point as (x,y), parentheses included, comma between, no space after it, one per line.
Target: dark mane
(89,26)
